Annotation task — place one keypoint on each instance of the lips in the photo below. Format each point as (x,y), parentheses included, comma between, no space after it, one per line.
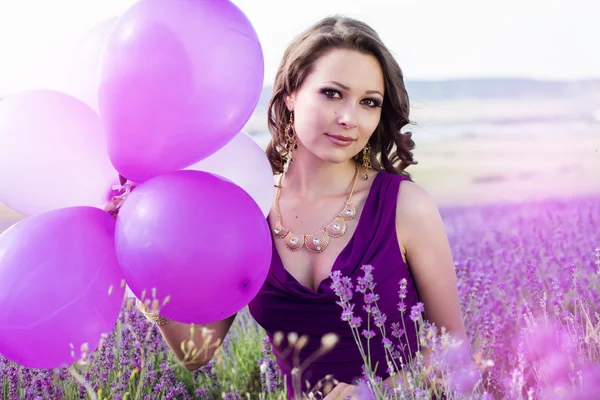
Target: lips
(342,138)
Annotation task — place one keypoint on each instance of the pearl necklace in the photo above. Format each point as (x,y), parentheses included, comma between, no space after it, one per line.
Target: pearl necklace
(316,242)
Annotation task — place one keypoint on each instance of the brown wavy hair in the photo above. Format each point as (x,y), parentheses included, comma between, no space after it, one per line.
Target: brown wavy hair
(390,150)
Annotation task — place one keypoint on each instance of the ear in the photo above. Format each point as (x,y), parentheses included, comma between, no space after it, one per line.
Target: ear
(289,101)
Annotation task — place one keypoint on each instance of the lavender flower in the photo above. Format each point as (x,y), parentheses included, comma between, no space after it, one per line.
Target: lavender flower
(527,283)
(416,311)
(269,371)
(355,322)
(202,394)
(369,334)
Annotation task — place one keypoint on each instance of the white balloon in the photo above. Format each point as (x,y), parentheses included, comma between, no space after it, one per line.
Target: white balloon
(81,75)
(243,162)
(52,153)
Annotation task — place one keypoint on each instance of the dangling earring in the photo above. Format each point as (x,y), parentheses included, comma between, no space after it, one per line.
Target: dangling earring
(366,161)
(290,138)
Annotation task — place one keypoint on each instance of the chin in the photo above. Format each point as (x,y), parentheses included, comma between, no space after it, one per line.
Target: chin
(337,156)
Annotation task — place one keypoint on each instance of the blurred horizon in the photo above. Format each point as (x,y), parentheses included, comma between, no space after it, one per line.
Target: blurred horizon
(485,140)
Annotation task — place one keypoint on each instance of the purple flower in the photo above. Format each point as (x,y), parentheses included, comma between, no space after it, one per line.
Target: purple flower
(208,370)
(369,309)
(355,322)
(347,313)
(369,334)
(13,381)
(270,374)
(403,291)
(401,307)
(397,331)
(387,343)
(342,286)
(416,311)
(379,319)
(370,298)
(365,282)
(232,395)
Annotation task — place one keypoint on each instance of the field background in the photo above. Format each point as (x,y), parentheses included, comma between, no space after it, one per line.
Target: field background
(491,140)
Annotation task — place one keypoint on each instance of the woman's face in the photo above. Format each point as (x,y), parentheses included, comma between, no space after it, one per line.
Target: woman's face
(338,106)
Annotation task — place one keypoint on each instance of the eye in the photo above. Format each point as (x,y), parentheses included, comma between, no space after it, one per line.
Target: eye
(373,103)
(331,93)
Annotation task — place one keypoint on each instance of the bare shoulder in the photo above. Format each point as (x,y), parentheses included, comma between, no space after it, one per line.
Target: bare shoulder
(415,207)
(414,201)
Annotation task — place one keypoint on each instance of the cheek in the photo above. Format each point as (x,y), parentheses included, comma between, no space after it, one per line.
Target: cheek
(311,121)
(369,123)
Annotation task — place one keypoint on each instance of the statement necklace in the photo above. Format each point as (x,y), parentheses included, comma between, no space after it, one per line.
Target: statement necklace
(316,242)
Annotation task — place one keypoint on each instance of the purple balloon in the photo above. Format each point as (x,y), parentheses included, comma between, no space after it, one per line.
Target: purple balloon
(197,239)
(60,285)
(179,79)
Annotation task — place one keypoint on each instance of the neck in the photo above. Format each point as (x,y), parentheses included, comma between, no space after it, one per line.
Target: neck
(311,179)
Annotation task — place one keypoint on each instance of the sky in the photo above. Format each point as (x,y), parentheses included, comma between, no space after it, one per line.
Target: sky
(431,39)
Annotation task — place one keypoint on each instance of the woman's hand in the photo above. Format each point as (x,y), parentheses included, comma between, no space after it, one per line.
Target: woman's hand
(112,207)
(343,391)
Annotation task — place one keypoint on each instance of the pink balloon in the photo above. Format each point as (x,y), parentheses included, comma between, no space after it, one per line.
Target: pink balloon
(251,170)
(60,285)
(52,153)
(179,79)
(196,238)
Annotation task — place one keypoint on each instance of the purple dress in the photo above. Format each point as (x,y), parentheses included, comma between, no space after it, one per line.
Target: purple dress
(285,305)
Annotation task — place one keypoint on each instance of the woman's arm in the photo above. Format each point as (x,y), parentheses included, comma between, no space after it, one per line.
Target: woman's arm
(206,340)
(193,345)
(422,233)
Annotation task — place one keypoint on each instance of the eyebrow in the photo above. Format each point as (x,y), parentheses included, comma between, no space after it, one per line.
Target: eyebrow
(347,88)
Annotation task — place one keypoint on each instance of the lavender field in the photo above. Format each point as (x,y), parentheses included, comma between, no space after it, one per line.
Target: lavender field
(529,288)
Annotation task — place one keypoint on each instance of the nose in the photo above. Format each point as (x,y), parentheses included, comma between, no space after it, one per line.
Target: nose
(347,118)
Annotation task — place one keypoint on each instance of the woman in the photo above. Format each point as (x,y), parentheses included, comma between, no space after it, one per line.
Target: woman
(343,200)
